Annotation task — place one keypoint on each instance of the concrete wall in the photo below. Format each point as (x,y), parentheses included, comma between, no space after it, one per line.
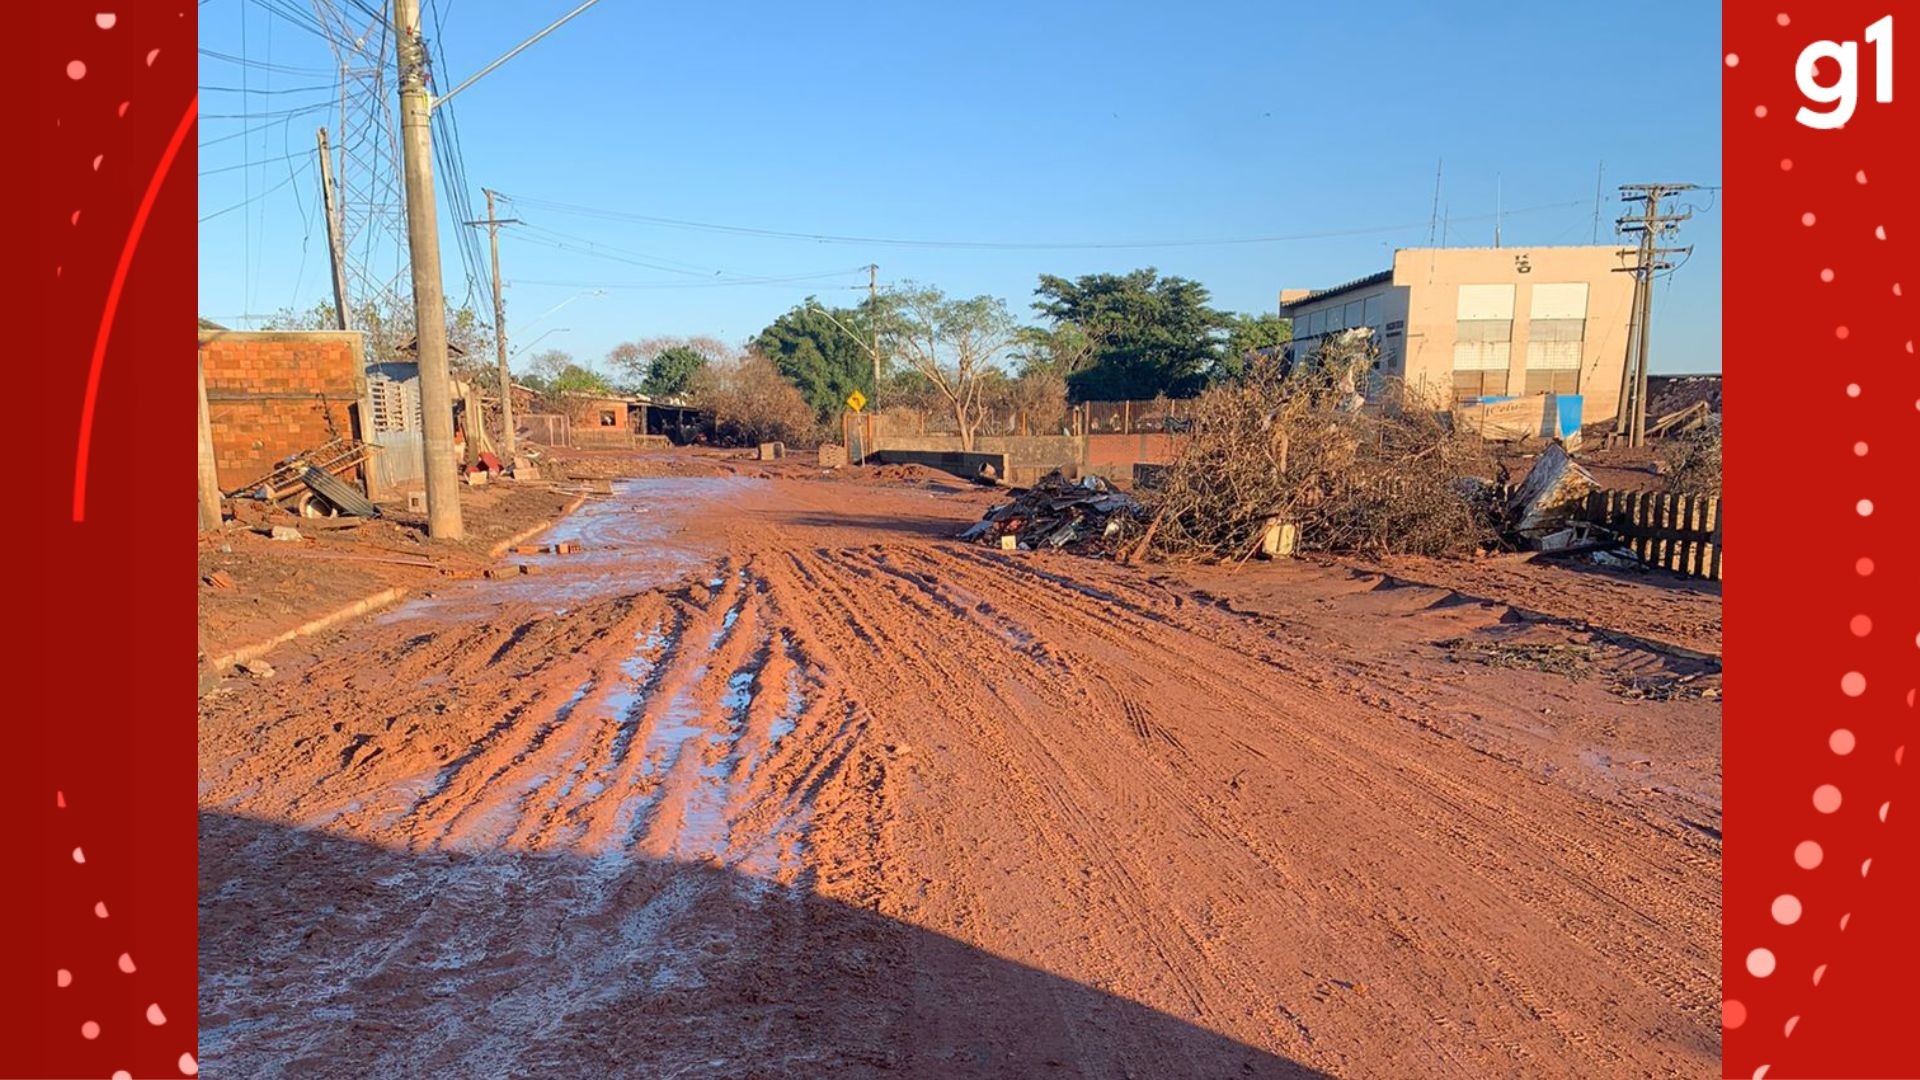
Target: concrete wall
(1029,457)
(271,394)
(1433,277)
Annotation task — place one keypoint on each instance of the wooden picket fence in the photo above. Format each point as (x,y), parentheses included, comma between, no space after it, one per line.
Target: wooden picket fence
(1678,533)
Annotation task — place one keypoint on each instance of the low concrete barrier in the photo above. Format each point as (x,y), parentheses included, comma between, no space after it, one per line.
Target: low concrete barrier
(967,464)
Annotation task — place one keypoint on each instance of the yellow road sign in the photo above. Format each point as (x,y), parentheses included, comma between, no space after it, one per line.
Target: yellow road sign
(856,401)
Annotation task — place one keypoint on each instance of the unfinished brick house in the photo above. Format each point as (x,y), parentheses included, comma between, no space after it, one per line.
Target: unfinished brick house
(272,394)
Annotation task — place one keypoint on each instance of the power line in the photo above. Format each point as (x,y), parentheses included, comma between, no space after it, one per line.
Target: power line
(1001,245)
(328,87)
(249,200)
(787,279)
(256,65)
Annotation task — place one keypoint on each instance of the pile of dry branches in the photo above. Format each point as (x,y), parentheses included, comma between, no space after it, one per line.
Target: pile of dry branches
(1692,461)
(1300,449)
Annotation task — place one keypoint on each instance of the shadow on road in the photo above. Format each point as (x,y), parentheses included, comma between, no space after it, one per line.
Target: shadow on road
(324,956)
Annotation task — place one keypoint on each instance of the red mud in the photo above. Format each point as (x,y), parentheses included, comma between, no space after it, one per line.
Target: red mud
(775,779)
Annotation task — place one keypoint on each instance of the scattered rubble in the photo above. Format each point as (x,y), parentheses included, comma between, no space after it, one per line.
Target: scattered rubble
(286,532)
(1554,491)
(1057,512)
(219,579)
(257,668)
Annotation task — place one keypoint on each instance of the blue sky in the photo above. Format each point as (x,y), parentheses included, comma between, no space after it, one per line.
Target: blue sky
(1017,124)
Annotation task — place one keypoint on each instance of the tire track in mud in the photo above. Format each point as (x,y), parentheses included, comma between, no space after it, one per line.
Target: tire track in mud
(1115,779)
(1473,802)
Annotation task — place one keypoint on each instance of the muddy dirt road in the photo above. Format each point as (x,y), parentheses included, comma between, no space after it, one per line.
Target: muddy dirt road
(774,780)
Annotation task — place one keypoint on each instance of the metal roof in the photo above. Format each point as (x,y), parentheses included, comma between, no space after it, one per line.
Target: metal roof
(1380,278)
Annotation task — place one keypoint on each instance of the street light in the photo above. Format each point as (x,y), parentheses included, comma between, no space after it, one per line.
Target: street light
(871,350)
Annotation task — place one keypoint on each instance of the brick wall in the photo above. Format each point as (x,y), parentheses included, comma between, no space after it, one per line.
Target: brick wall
(271,393)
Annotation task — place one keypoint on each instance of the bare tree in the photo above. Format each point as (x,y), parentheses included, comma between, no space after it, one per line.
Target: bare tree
(952,344)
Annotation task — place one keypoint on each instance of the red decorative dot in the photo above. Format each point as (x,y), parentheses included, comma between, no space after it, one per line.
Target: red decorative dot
(1861,626)
(89,1030)
(1826,798)
(1863,566)
(1782,19)
(1859,449)
(1841,741)
(1853,389)
(1786,164)
(1860,177)
(1864,508)
(1732,1014)
(76,70)
(1807,218)
(1733,59)
(1807,854)
(1826,275)
(1853,684)
(1760,111)
(1841,332)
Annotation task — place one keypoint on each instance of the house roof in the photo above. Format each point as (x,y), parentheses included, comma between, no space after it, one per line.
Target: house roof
(1381,278)
(412,348)
(209,324)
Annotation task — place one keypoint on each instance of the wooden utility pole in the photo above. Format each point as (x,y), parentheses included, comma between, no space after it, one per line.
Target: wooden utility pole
(330,204)
(1652,223)
(209,470)
(429,302)
(507,444)
(873,315)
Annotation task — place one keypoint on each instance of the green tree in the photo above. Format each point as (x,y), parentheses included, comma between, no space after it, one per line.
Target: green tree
(662,366)
(959,346)
(1149,335)
(1246,333)
(820,351)
(672,371)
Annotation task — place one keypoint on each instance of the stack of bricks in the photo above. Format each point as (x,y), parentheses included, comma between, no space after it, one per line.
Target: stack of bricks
(272,394)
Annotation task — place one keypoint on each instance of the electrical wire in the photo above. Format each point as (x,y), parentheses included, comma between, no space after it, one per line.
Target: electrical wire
(249,200)
(830,238)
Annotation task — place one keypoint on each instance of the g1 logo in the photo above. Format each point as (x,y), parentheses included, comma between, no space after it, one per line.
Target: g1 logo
(1844,92)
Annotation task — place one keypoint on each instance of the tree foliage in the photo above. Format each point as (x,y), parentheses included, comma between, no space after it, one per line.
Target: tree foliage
(957,345)
(1148,335)
(820,351)
(1247,334)
(664,366)
(749,402)
(387,323)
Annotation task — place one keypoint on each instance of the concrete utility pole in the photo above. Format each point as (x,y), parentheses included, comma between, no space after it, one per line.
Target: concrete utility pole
(1653,222)
(493,223)
(429,303)
(873,313)
(330,203)
(209,469)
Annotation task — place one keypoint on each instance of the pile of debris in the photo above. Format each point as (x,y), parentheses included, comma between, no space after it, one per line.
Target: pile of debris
(1057,512)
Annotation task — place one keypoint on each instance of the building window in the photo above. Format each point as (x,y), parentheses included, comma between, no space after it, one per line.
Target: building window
(1482,341)
(606,418)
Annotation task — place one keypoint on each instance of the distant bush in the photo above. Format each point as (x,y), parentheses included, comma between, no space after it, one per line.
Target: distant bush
(749,402)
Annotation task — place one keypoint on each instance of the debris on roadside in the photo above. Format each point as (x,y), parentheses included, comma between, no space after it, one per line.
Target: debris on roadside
(219,579)
(286,532)
(1554,491)
(257,668)
(1057,512)
(1572,660)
